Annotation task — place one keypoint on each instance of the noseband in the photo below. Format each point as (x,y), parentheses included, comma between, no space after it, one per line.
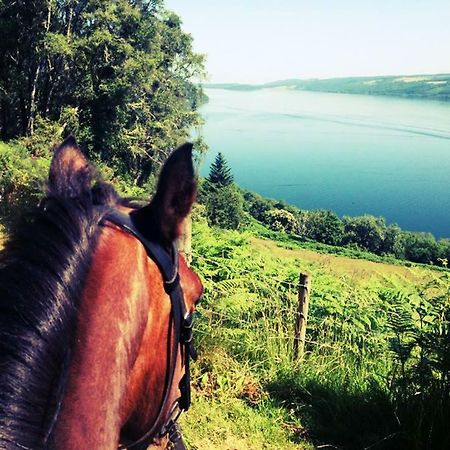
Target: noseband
(167,263)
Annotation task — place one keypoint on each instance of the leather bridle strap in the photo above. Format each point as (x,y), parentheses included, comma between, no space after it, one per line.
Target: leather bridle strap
(182,323)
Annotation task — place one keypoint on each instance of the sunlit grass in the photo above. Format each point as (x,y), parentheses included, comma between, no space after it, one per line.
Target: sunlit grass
(250,392)
(231,424)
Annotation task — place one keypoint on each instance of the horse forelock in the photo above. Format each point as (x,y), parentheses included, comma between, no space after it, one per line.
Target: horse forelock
(42,272)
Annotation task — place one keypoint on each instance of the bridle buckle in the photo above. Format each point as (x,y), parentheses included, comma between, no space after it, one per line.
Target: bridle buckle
(187,328)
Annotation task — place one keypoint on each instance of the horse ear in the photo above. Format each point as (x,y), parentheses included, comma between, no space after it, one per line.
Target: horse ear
(162,219)
(70,172)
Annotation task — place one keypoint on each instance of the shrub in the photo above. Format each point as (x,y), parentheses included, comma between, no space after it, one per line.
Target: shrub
(281,220)
(21,179)
(50,133)
(256,206)
(393,244)
(420,247)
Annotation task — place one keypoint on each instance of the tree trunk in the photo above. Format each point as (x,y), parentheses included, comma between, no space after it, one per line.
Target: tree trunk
(33,104)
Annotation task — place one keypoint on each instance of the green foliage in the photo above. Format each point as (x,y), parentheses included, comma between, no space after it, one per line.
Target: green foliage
(366,232)
(230,423)
(24,169)
(393,244)
(444,252)
(281,220)
(256,206)
(239,293)
(278,216)
(21,180)
(223,199)
(350,391)
(48,134)
(359,235)
(224,207)
(124,70)
(219,172)
(420,385)
(420,247)
(322,226)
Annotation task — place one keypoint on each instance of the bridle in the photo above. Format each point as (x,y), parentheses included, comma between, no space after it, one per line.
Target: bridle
(167,262)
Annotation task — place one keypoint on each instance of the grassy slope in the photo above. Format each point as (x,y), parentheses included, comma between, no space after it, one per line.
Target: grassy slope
(360,270)
(248,392)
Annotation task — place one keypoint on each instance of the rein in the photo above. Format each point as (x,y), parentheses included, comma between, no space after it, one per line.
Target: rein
(167,263)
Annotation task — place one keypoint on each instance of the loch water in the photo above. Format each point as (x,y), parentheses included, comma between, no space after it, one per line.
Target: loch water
(353,154)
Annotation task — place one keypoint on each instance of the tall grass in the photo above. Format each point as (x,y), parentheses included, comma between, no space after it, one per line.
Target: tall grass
(352,390)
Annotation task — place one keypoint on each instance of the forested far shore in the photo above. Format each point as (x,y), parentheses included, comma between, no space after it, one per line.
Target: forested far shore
(432,87)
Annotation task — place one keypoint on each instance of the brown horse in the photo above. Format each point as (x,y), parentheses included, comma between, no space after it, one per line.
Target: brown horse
(94,336)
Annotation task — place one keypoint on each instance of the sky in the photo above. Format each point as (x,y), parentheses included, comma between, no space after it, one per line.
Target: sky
(256,41)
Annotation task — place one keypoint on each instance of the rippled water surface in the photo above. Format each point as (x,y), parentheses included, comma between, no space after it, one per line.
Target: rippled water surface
(352,154)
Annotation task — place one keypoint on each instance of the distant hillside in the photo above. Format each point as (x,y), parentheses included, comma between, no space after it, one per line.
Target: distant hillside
(433,87)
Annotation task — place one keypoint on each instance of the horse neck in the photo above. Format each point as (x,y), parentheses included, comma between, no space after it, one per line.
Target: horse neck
(113,317)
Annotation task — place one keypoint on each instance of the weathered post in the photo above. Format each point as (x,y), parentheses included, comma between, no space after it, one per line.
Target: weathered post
(302,315)
(185,240)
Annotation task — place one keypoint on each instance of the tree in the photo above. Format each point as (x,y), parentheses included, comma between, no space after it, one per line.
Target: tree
(125,67)
(420,247)
(281,220)
(224,207)
(368,232)
(223,200)
(219,173)
(256,206)
(393,244)
(323,226)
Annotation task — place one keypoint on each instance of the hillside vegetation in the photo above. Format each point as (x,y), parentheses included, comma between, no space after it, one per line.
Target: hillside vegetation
(433,87)
(375,372)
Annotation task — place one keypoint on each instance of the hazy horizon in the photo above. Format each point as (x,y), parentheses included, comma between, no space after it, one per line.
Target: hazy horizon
(336,78)
(255,41)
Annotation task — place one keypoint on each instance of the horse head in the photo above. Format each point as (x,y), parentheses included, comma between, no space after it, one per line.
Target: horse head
(100,288)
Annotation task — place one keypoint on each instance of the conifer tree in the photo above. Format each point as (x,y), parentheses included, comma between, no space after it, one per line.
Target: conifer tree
(223,200)
(220,174)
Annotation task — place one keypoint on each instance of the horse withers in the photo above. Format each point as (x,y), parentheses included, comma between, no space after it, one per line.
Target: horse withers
(95,313)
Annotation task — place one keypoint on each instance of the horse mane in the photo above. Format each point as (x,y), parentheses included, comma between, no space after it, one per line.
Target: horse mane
(42,272)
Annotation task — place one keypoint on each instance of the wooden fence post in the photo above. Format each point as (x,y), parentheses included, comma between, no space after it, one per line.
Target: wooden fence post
(302,315)
(185,240)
